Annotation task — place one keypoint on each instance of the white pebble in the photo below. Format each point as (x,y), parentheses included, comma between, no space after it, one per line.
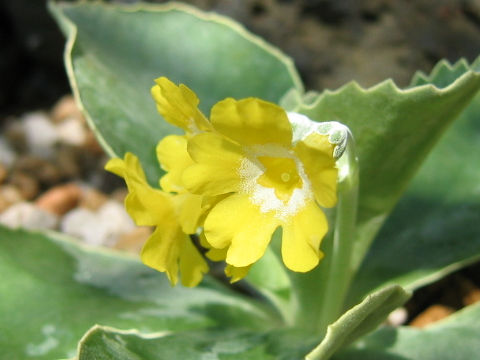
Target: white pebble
(72,132)
(7,155)
(28,216)
(398,317)
(40,133)
(101,227)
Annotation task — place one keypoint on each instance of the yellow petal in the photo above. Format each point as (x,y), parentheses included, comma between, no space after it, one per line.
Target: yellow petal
(301,238)
(212,253)
(238,224)
(179,106)
(146,205)
(169,247)
(129,165)
(252,121)
(316,154)
(163,248)
(217,161)
(173,156)
(192,265)
(236,273)
(189,209)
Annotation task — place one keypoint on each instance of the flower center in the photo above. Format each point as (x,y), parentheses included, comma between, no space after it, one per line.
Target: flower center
(280,174)
(285,177)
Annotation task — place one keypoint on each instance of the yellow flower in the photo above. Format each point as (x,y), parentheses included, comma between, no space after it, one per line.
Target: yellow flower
(239,176)
(169,249)
(179,106)
(267,180)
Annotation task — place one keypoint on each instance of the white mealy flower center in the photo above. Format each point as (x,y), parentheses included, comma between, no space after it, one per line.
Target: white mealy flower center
(267,198)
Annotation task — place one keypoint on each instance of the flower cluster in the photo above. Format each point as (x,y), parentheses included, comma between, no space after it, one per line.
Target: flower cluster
(233,180)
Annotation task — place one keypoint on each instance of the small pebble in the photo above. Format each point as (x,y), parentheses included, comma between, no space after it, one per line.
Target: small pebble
(397,317)
(430,315)
(115,214)
(40,133)
(60,199)
(119,194)
(84,224)
(470,292)
(27,185)
(7,154)
(69,159)
(28,216)
(65,108)
(9,195)
(15,135)
(134,240)
(3,173)
(91,144)
(72,132)
(4,204)
(42,170)
(93,199)
(102,227)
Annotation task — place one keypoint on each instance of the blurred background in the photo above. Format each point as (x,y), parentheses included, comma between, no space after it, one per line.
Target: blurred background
(331,41)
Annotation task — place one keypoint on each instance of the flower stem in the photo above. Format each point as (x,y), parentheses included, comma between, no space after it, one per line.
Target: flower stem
(320,294)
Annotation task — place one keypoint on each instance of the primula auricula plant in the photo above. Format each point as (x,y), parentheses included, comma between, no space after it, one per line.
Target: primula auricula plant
(233,180)
(271,186)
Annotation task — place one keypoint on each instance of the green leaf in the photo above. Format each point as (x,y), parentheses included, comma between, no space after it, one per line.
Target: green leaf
(453,338)
(434,229)
(394,130)
(270,277)
(53,290)
(102,343)
(359,320)
(114,52)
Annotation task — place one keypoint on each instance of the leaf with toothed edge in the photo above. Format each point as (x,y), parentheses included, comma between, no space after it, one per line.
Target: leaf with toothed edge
(394,130)
(434,230)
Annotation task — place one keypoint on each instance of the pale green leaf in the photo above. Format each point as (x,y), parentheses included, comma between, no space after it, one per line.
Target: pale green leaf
(394,131)
(114,52)
(359,320)
(53,290)
(270,277)
(434,229)
(456,337)
(102,343)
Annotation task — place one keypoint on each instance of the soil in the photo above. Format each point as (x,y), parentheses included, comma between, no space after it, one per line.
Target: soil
(331,42)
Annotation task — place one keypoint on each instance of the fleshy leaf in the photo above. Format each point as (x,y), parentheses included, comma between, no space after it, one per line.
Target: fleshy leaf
(456,337)
(111,75)
(434,229)
(359,320)
(113,344)
(53,290)
(444,73)
(394,130)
